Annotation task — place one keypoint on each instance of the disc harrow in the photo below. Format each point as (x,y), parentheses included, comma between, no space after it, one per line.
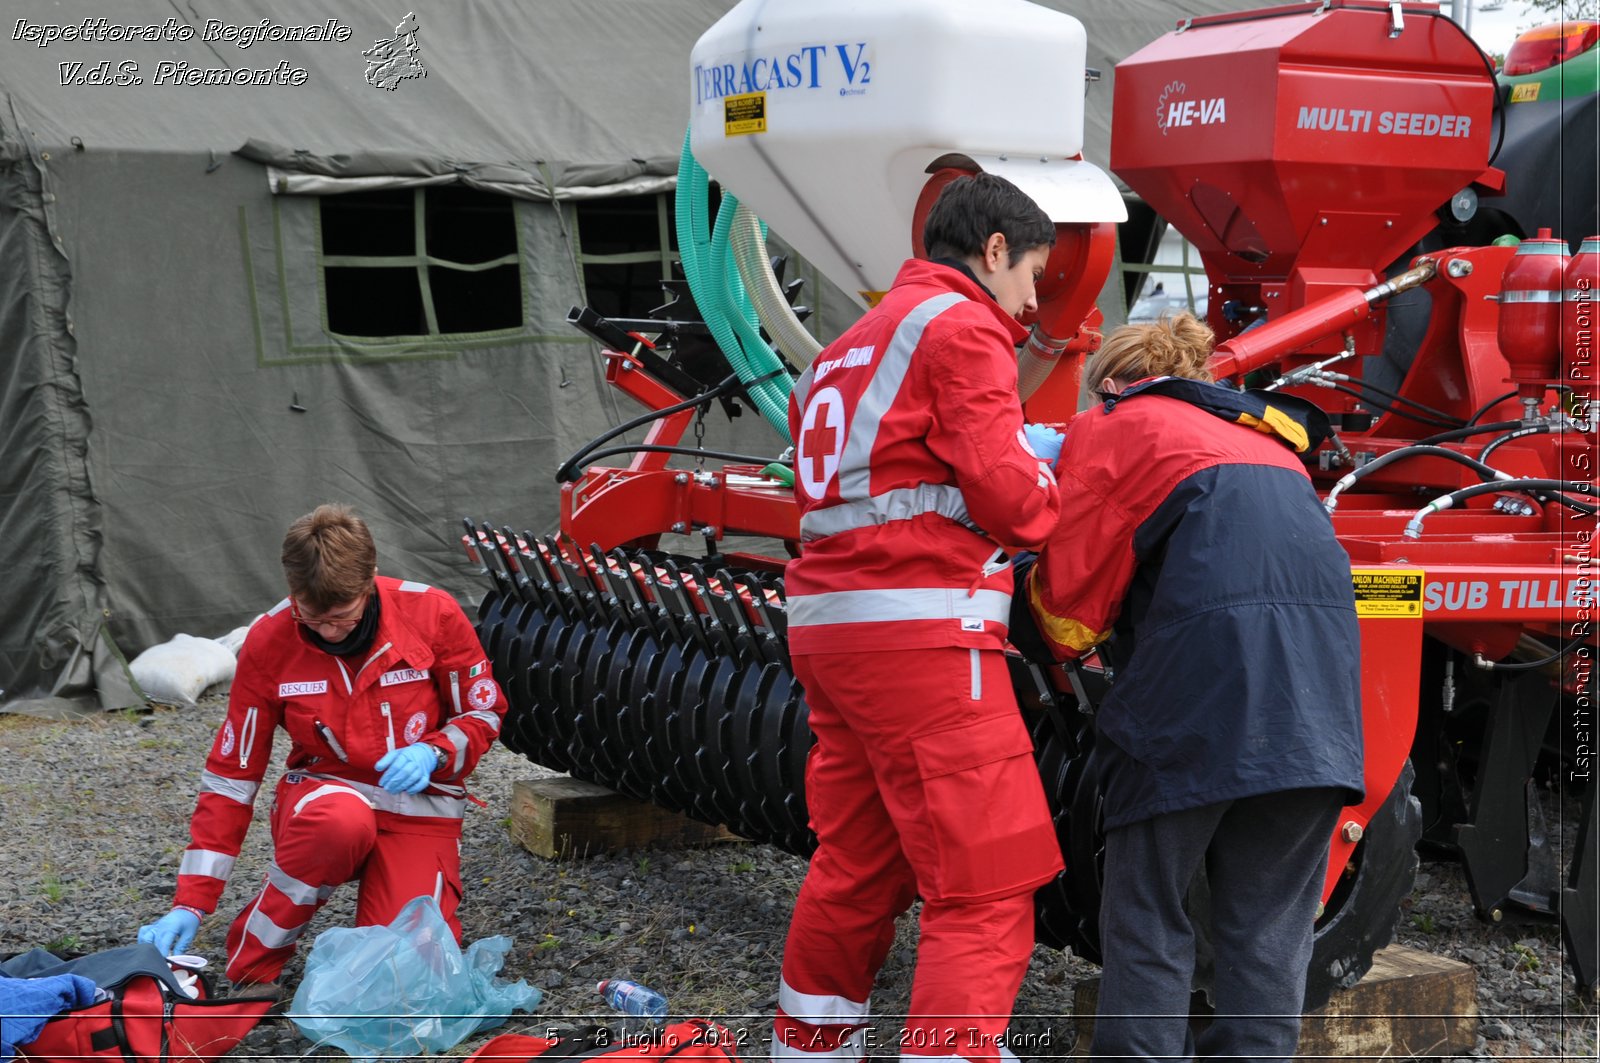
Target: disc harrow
(666,682)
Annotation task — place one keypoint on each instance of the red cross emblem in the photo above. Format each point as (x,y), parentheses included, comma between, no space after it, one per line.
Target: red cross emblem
(821,441)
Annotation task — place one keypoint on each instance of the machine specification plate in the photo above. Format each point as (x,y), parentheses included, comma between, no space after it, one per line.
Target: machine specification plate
(745,114)
(1387,591)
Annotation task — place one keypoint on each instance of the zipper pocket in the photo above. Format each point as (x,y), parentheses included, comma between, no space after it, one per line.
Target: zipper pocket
(388,723)
(247,737)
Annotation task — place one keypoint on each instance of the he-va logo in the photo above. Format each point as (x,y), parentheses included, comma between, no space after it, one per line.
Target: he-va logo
(1172,109)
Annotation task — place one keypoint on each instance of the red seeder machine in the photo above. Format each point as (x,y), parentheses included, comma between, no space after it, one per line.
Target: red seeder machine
(1320,158)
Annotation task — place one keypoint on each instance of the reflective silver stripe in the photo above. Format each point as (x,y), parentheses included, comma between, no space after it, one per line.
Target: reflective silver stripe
(240,790)
(902,503)
(458,738)
(820,1009)
(325,791)
(488,719)
(1530,297)
(802,387)
(851,1048)
(280,607)
(271,934)
(906,603)
(206,862)
(1580,295)
(977,675)
(413,586)
(433,806)
(292,888)
(855,467)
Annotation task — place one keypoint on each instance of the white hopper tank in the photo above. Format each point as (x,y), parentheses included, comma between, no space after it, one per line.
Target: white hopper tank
(826,117)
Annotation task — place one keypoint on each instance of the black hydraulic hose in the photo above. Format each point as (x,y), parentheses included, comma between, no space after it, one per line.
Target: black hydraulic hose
(1469,430)
(1531,486)
(1497,400)
(1350,479)
(1539,488)
(1420,418)
(1449,419)
(1497,442)
(1522,666)
(1491,404)
(723,387)
(661,448)
(1420,451)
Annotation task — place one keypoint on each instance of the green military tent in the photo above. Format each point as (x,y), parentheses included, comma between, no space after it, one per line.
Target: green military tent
(247,267)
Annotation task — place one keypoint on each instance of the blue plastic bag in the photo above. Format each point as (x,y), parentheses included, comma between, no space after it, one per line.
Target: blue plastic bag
(404,989)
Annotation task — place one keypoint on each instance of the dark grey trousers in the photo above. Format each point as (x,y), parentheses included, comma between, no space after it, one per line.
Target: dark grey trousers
(1264,858)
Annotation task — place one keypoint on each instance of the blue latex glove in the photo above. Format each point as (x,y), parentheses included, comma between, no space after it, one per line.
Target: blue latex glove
(172,933)
(406,770)
(1045,441)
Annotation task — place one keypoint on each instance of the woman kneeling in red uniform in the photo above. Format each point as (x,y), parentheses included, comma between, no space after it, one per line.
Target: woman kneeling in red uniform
(388,702)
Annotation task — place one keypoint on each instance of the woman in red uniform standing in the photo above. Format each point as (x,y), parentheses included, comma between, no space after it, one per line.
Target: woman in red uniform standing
(388,702)
(913,474)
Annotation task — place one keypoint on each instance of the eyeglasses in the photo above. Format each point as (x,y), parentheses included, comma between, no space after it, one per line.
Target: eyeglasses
(347,617)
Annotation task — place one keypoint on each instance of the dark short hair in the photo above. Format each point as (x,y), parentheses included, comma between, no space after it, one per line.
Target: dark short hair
(972,208)
(328,557)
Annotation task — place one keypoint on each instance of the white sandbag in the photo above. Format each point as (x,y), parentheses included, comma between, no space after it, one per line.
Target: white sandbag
(178,671)
(235,638)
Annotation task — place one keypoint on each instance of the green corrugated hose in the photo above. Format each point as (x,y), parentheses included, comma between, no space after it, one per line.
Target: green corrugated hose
(713,277)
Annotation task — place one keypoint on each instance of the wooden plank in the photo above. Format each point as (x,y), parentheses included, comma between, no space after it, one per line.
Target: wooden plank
(1411,1005)
(561,817)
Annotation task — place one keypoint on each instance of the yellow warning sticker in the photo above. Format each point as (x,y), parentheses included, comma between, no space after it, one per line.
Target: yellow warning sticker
(1387,592)
(745,114)
(1526,92)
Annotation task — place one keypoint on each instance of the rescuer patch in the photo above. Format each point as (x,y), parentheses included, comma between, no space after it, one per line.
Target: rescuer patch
(1387,592)
(290,690)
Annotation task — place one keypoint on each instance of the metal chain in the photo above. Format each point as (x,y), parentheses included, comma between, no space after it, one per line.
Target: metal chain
(700,435)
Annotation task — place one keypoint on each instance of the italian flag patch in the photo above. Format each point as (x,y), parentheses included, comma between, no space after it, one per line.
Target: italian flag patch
(477,669)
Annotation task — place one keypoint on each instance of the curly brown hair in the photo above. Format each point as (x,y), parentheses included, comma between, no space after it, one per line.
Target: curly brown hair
(329,558)
(1176,345)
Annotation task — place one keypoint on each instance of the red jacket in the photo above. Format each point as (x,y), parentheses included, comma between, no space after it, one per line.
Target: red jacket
(425,679)
(1191,531)
(912,474)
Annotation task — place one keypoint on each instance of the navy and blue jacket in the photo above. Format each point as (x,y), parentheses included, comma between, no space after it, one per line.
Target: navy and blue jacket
(1191,533)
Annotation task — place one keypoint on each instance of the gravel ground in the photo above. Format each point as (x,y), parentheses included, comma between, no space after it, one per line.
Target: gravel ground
(93,817)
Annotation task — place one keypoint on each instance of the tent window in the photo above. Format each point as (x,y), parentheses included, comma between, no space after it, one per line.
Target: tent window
(627,246)
(420,262)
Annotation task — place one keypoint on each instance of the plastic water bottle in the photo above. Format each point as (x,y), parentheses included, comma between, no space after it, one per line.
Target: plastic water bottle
(631,998)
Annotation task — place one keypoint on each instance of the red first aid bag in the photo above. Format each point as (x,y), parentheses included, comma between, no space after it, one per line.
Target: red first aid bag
(694,1039)
(148,1016)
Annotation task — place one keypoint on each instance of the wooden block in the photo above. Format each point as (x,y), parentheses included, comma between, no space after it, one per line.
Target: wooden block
(1411,1005)
(564,817)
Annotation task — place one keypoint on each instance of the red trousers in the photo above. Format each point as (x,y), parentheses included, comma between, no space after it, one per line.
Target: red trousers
(922,782)
(325,834)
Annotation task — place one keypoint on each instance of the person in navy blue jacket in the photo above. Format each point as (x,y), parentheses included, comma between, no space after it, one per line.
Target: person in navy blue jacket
(1231,734)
